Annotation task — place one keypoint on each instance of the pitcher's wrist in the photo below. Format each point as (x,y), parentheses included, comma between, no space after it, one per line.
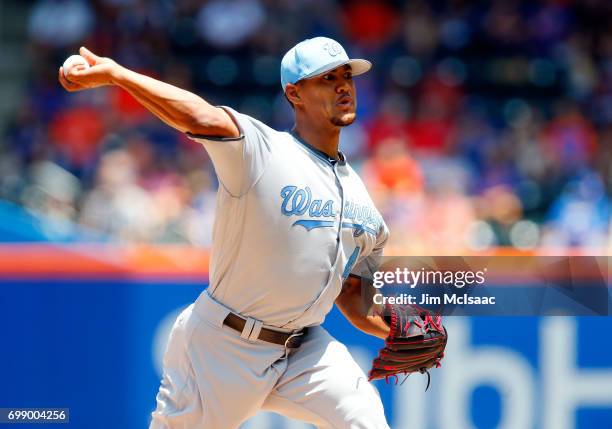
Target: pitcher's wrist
(117,74)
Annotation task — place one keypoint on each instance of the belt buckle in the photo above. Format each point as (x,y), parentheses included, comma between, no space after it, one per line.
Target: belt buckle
(290,337)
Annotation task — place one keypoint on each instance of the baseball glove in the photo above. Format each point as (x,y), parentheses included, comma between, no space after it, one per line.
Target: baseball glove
(415,343)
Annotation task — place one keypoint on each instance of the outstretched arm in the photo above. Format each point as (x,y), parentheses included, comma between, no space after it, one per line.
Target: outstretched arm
(350,304)
(178,108)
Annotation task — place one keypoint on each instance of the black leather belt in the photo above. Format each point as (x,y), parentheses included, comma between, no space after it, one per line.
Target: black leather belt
(290,341)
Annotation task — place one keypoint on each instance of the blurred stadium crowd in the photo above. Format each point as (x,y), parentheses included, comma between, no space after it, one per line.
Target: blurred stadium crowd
(481,124)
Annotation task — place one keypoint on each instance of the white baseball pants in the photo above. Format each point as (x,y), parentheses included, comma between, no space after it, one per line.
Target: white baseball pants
(216,378)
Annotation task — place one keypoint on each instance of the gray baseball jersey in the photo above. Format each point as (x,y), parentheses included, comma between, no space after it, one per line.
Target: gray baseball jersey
(291,224)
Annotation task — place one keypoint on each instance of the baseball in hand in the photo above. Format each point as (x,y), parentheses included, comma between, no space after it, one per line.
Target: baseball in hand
(74,61)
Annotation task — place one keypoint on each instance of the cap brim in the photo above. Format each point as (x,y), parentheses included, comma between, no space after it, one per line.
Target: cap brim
(358,66)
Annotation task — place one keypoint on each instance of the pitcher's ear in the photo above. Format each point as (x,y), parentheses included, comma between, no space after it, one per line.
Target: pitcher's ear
(293,94)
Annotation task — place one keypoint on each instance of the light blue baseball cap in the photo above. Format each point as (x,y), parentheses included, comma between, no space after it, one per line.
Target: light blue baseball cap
(315,56)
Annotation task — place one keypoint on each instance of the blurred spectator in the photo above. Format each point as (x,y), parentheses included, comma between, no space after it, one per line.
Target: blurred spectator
(60,23)
(229,23)
(370,23)
(569,140)
(76,132)
(431,131)
(392,169)
(390,122)
(581,214)
(117,205)
(421,36)
(52,196)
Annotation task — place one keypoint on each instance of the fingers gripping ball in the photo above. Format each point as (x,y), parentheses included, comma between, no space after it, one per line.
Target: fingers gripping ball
(74,61)
(416,343)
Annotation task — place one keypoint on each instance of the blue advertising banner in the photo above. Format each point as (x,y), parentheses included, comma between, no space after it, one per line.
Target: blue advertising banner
(94,347)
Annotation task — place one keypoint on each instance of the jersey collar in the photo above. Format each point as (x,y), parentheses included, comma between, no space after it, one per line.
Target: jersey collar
(319,153)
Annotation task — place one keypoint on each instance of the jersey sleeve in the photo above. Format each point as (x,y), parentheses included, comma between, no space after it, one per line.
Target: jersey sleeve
(239,162)
(366,267)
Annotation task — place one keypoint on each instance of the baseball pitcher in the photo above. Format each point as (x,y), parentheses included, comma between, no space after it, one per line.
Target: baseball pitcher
(294,229)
